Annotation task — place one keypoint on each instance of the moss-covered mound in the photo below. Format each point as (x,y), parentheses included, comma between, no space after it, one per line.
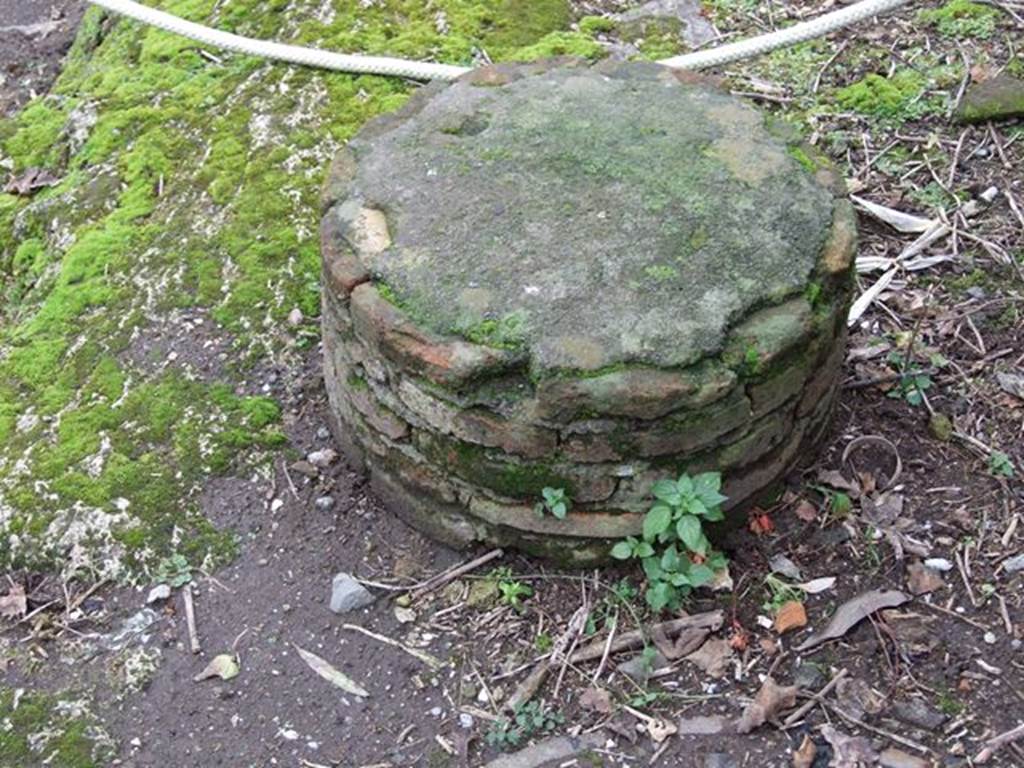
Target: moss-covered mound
(583,278)
(139,292)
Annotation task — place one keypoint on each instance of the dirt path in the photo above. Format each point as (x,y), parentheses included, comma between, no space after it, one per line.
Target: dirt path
(34,36)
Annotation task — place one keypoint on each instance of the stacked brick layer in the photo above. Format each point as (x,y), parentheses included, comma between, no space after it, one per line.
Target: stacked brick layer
(461,438)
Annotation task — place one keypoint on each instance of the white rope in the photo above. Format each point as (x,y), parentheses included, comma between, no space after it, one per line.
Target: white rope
(421,70)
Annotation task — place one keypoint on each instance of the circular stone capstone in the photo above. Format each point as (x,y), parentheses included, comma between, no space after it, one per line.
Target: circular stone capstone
(587,278)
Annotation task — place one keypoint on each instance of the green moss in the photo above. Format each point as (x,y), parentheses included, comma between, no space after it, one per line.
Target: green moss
(962,19)
(661,273)
(40,730)
(593,25)
(218,169)
(884,97)
(507,332)
(801,156)
(561,44)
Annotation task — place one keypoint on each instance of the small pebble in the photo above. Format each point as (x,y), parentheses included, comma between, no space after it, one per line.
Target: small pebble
(465,720)
(990,638)
(325,502)
(436,712)
(323,458)
(323,433)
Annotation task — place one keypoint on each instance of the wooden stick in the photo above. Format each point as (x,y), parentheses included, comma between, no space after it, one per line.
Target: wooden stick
(710,620)
(996,743)
(190,618)
(453,573)
(814,699)
(431,661)
(526,689)
(880,731)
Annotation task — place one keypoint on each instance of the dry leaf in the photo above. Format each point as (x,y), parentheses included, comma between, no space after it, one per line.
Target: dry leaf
(806,511)
(14,604)
(853,611)
(712,657)
(1011,383)
(770,701)
(921,579)
(688,640)
(816,586)
(898,220)
(849,751)
(857,698)
(791,615)
(804,756)
(659,730)
(597,700)
(833,478)
(30,181)
(330,674)
(224,666)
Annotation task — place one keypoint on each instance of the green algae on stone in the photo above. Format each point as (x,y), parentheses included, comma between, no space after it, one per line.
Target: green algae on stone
(998,98)
(621,163)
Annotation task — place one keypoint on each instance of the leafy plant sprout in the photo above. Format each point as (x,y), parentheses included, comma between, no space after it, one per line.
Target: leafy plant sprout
(511,591)
(1000,465)
(674,551)
(555,501)
(528,720)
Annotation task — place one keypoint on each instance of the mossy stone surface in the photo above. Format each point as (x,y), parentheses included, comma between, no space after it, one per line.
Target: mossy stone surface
(999,98)
(590,216)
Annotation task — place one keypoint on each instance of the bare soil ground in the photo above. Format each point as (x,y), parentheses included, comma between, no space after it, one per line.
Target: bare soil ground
(935,677)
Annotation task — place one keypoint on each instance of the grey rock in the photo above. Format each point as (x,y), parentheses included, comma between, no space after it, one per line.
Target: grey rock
(324,502)
(159,592)
(1014,564)
(323,433)
(550,751)
(640,667)
(322,458)
(694,28)
(998,98)
(808,677)
(720,760)
(744,206)
(897,758)
(347,594)
(917,713)
(702,725)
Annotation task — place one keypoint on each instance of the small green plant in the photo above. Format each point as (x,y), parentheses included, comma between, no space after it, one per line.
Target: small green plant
(780,593)
(543,642)
(174,571)
(911,385)
(528,720)
(674,551)
(1000,465)
(511,591)
(555,502)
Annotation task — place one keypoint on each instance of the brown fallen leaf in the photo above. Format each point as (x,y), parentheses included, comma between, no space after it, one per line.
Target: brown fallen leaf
(849,751)
(852,612)
(713,657)
(791,615)
(14,604)
(770,701)
(31,180)
(686,641)
(804,755)
(597,700)
(806,511)
(921,579)
(857,698)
